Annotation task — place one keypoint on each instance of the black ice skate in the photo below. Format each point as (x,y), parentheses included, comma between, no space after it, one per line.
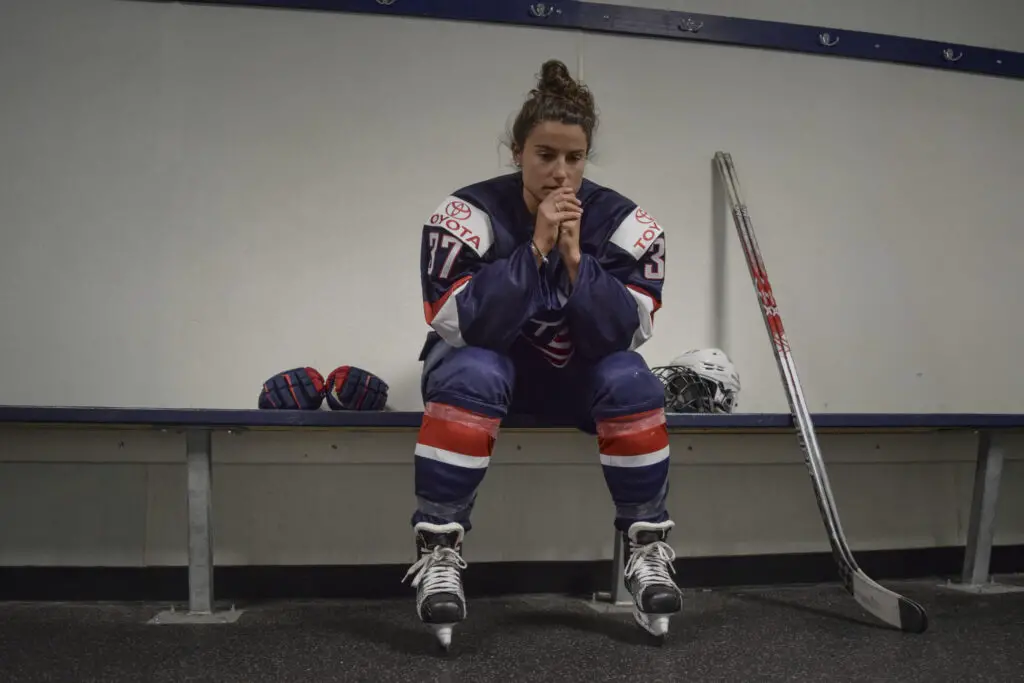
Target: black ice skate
(648,576)
(437,577)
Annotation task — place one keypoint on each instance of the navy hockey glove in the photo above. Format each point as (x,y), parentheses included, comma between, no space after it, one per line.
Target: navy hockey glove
(295,389)
(350,388)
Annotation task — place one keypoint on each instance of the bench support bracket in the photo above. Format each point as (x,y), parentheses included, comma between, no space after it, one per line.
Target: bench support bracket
(199,444)
(618,598)
(982,525)
(199,464)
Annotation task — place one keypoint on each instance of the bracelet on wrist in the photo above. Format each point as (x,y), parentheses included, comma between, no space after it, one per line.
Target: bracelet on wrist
(536,250)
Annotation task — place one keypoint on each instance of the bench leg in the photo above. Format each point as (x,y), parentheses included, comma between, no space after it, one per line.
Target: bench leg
(199,464)
(620,594)
(200,513)
(982,525)
(618,598)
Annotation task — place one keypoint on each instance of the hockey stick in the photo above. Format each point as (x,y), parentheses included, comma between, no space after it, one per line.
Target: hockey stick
(890,607)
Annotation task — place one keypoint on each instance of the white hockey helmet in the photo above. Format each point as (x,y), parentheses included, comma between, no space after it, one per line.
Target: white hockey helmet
(700,381)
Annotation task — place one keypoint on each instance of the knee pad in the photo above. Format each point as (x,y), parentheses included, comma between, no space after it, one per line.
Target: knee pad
(623,384)
(473,378)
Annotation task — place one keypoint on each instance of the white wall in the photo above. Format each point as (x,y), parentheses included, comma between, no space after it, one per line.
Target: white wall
(147,147)
(194,198)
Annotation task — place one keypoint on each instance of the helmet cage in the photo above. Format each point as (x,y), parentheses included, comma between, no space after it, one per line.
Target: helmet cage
(686,391)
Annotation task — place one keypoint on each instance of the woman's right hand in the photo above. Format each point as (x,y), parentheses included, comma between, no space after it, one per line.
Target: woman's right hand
(558,207)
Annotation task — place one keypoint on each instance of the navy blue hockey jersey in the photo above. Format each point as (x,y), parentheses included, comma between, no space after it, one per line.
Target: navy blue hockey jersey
(482,286)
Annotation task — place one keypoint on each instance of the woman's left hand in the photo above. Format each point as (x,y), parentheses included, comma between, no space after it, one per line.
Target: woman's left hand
(569,244)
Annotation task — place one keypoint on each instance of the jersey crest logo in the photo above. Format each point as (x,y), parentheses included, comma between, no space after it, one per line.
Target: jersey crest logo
(549,334)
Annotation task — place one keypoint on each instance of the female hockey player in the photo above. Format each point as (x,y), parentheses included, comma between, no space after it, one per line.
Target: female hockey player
(539,286)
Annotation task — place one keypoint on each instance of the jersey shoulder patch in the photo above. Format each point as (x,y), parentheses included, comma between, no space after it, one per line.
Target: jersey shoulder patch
(469,223)
(636,233)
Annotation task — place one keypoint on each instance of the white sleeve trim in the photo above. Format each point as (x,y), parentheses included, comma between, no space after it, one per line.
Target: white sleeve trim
(645,313)
(446,322)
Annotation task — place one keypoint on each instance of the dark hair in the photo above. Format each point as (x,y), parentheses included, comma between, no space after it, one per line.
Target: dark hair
(557,97)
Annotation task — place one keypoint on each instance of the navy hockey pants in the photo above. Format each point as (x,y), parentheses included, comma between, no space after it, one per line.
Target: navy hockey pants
(468,390)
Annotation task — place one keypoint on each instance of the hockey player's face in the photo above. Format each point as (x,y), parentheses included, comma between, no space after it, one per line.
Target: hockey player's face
(554,156)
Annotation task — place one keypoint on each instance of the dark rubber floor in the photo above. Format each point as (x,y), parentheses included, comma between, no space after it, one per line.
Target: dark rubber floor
(793,634)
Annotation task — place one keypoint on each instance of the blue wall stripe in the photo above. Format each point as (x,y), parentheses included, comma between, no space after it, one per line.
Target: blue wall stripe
(673,25)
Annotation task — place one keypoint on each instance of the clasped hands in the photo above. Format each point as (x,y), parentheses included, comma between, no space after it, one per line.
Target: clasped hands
(558,225)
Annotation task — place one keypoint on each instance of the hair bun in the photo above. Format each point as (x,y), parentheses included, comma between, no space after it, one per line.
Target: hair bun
(555,79)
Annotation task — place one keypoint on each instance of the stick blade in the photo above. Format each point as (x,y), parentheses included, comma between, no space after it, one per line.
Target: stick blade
(888,606)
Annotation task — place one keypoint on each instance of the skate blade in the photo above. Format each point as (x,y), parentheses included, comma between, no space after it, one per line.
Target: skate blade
(656,624)
(443,633)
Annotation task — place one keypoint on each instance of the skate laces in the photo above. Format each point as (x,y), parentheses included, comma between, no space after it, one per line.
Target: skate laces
(651,563)
(438,571)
